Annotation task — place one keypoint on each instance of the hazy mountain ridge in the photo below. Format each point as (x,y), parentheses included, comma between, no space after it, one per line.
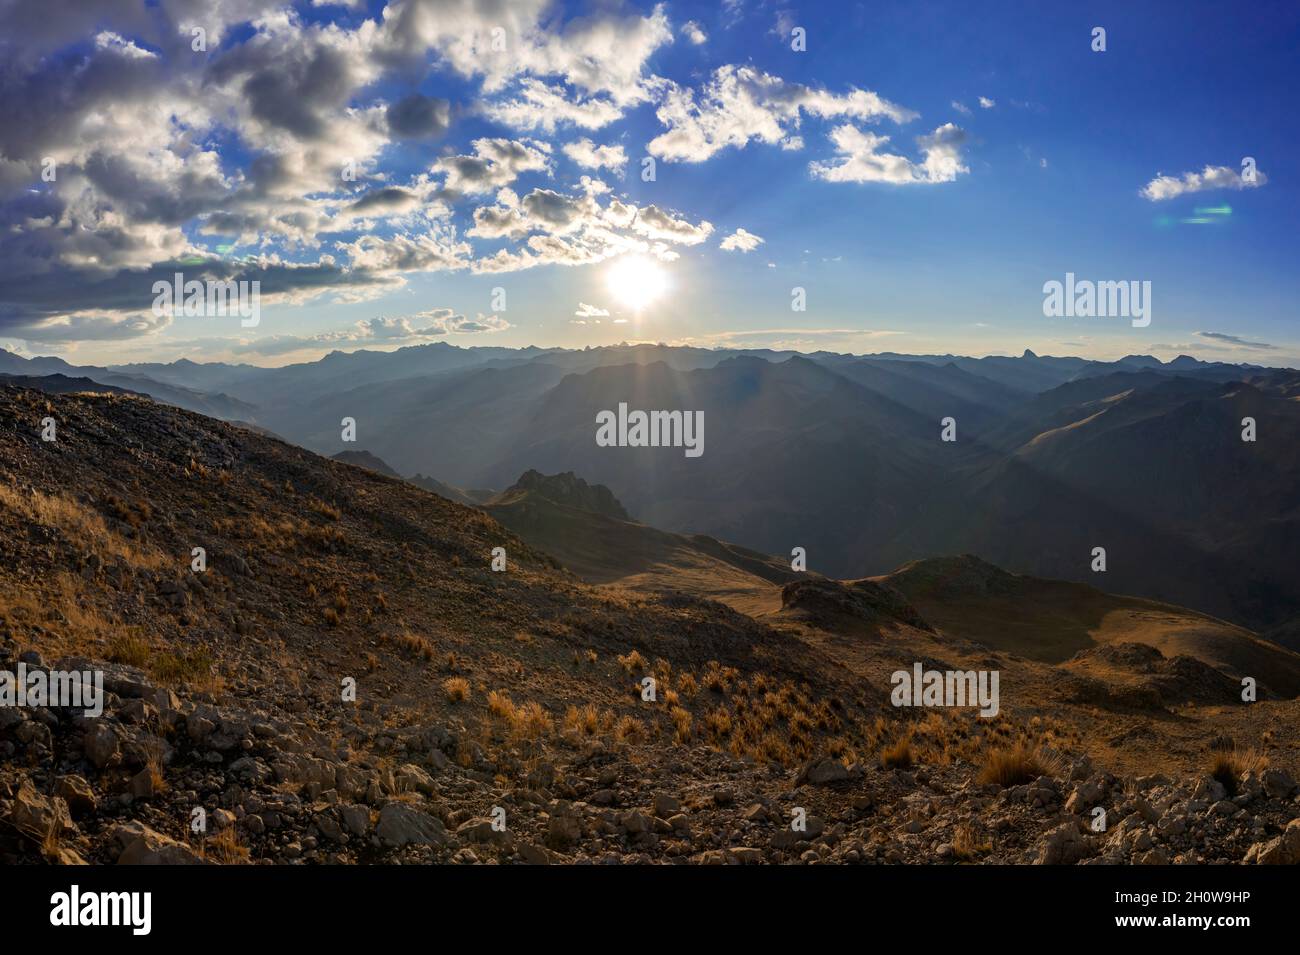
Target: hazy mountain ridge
(1054,456)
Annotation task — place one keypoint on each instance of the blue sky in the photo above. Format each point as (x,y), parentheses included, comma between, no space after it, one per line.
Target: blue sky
(1015,153)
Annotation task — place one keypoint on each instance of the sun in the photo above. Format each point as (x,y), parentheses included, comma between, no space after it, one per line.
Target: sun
(636,281)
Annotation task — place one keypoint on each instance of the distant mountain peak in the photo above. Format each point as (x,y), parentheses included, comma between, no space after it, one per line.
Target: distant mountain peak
(1142,361)
(364,459)
(1028,354)
(570,490)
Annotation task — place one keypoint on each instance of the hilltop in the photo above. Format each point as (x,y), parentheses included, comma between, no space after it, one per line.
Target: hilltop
(588,531)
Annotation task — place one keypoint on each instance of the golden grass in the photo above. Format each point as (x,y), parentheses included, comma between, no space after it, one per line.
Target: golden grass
(582,721)
(456,688)
(1227,766)
(129,648)
(717,724)
(287,534)
(324,508)
(682,721)
(1013,765)
(197,668)
(225,847)
(80,524)
(154,751)
(967,844)
(500,705)
(531,722)
(415,645)
(629,730)
(898,755)
(633,662)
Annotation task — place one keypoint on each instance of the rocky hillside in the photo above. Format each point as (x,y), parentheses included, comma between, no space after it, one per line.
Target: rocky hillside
(586,528)
(339,675)
(1051,620)
(364,459)
(567,489)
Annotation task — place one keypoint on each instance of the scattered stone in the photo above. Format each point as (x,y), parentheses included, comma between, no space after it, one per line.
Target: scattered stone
(400,825)
(144,846)
(76,792)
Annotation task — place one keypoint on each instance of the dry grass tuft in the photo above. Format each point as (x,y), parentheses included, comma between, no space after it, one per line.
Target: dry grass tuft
(225,847)
(681,724)
(632,662)
(582,721)
(1013,766)
(1229,765)
(967,844)
(629,730)
(530,722)
(415,645)
(129,648)
(898,755)
(456,688)
(501,706)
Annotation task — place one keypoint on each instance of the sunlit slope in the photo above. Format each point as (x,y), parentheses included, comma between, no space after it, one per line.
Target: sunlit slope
(1051,620)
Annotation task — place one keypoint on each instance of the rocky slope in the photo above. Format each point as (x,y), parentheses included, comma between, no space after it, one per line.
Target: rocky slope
(514,697)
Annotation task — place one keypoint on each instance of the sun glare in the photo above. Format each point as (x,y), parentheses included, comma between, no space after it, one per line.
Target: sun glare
(636,281)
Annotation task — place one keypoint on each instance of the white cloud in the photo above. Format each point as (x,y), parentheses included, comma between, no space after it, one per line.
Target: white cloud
(961,108)
(1236,341)
(494,163)
(741,103)
(590,156)
(654,223)
(740,241)
(694,32)
(406,253)
(986,103)
(1212,177)
(601,53)
(430,324)
(590,311)
(577,230)
(160,147)
(544,107)
(860,160)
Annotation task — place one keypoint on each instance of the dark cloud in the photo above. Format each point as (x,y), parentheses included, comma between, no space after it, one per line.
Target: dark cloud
(24,302)
(419,117)
(297,92)
(388,199)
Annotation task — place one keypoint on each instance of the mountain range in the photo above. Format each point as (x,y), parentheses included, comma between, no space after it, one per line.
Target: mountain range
(841,455)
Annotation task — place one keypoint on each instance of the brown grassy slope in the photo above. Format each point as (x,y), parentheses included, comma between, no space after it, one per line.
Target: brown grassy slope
(1051,620)
(318,570)
(602,549)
